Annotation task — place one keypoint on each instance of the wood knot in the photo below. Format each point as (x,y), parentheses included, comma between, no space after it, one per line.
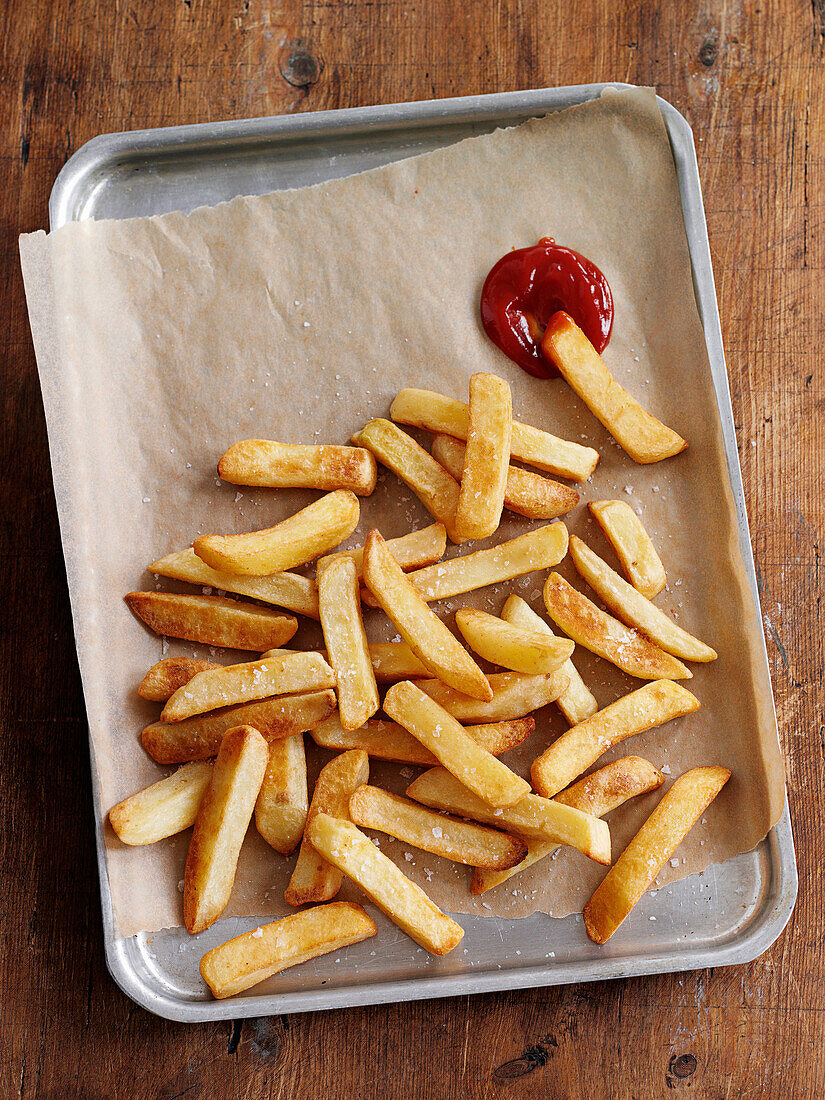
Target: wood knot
(298,65)
(682,1066)
(531,1059)
(708,52)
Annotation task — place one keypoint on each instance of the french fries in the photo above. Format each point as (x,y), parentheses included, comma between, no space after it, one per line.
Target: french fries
(212,620)
(286,466)
(220,826)
(164,678)
(633,546)
(576,702)
(231,684)
(406,904)
(393,661)
(486,458)
(597,794)
(652,705)
(340,607)
(450,837)
(525,493)
(422,547)
(289,590)
(438,731)
(199,738)
(530,817)
(656,841)
(645,438)
(592,628)
(528,651)
(167,807)
(282,803)
(314,878)
(431,483)
(634,609)
(437,413)
(296,540)
(389,741)
(427,636)
(514,695)
(254,956)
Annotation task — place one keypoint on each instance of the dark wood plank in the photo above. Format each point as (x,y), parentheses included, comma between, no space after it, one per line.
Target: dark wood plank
(749,77)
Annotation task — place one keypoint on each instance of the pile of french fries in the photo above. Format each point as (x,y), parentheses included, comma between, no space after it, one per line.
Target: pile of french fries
(237,730)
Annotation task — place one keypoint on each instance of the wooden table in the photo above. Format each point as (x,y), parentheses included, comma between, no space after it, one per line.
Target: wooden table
(749,77)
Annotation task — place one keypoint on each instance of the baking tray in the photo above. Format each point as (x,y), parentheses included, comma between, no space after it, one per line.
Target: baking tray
(719,917)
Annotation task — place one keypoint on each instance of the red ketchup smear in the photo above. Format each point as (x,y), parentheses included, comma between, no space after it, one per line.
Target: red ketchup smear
(527,286)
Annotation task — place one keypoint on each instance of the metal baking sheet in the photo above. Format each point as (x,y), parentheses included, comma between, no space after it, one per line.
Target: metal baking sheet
(728,914)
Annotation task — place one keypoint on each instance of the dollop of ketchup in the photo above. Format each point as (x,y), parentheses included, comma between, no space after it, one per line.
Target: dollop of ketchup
(527,286)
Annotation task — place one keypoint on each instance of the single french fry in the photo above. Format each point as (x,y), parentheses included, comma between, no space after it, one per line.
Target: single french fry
(229,685)
(636,868)
(634,609)
(571,754)
(431,483)
(438,731)
(530,817)
(167,807)
(450,837)
(597,794)
(254,956)
(199,738)
(220,826)
(633,546)
(514,696)
(340,606)
(528,651)
(281,807)
(389,741)
(437,413)
(525,493)
(576,702)
(289,590)
(393,661)
(314,878)
(164,678)
(289,466)
(487,457)
(430,640)
(212,620)
(422,547)
(645,438)
(406,904)
(599,632)
(296,540)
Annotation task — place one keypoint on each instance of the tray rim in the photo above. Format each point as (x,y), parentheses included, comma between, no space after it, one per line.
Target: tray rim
(104,151)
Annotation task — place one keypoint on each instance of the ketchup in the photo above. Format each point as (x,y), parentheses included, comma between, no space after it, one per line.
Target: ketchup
(527,286)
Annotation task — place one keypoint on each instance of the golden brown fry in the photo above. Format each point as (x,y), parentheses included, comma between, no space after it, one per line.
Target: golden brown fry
(340,607)
(393,661)
(576,702)
(402,901)
(487,457)
(514,695)
(422,547)
(254,956)
(623,646)
(649,706)
(163,679)
(450,837)
(289,466)
(437,413)
(314,879)
(624,531)
(528,651)
(636,868)
(167,807)
(439,732)
(212,620)
(296,540)
(221,824)
(423,631)
(228,685)
(199,738)
(645,438)
(281,807)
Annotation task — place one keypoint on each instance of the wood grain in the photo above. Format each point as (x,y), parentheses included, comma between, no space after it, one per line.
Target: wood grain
(749,77)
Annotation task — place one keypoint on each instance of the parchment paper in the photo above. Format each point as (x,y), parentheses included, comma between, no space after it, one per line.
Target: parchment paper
(297,316)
